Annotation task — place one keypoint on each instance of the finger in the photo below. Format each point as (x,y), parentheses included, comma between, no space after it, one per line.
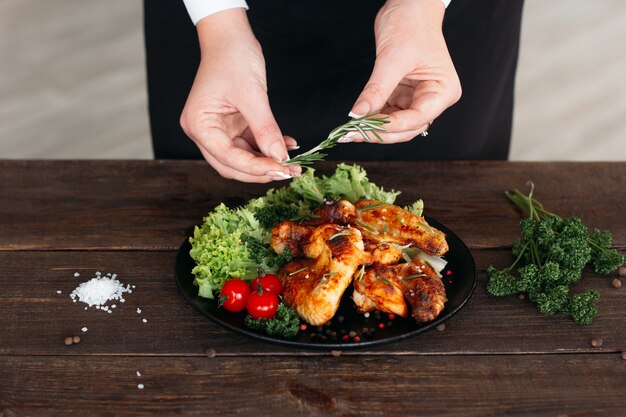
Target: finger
(290,143)
(384,79)
(396,137)
(221,147)
(430,99)
(293,171)
(230,173)
(267,134)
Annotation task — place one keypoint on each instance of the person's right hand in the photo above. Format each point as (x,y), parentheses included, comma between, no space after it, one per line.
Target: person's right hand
(227,113)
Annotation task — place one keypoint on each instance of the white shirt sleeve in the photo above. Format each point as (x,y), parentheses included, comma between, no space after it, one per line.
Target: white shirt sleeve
(199,9)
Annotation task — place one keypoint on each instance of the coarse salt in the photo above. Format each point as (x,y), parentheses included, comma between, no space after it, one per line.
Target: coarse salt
(58,291)
(138,310)
(138,373)
(144,320)
(140,386)
(100,290)
(84,329)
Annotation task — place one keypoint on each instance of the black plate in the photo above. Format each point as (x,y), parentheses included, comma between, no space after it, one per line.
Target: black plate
(459,278)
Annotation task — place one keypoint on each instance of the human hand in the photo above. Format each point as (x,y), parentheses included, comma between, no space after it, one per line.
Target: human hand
(414,79)
(227,113)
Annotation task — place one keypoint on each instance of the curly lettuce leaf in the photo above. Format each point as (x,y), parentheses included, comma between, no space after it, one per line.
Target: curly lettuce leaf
(235,243)
(350,182)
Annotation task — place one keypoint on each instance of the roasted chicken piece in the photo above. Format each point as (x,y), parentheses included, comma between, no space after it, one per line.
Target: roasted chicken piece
(340,212)
(314,287)
(384,253)
(290,235)
(417,281)
(375,293)
(393,224)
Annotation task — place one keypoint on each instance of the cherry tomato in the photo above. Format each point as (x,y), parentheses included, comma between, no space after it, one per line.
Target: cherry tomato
(262,304)
(234,295)
(269,283)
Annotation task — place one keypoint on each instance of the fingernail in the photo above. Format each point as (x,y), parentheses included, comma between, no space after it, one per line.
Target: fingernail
(293,147)
(295,174)
(355,115)
(277,152)
(346,138)
(277,175)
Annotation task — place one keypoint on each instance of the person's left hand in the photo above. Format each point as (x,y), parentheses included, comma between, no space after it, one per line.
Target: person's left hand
(414,79)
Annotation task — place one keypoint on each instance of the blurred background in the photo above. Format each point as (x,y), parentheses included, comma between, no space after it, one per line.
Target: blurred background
(72,80)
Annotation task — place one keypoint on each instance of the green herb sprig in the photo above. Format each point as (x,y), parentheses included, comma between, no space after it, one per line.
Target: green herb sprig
(550,257)
(286,323)
(361,125)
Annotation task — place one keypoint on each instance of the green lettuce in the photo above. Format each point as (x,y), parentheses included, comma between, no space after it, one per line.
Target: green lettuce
(235,242)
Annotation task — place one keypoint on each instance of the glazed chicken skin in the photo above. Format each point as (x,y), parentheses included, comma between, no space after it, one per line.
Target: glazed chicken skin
(340,212)
(374,293)
(417,281)
(290,235)
(384,253)
(314,287)
(392,224)
(340,238)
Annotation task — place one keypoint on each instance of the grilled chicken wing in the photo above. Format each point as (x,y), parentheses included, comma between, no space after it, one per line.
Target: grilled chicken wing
(340,212)
(372,292)
(393,224)
(384,253)
(315,292)
(290,235)
(417,281)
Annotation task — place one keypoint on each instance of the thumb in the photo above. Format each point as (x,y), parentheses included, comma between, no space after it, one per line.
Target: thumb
(384,79)
(264,128)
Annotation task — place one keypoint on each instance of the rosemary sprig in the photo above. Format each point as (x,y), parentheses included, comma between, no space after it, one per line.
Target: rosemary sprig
(373,206)
(336,235)
(413,276)
(299,270)
(383,279)
(361,125)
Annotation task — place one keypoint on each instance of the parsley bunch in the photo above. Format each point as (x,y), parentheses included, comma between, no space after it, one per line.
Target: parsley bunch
(285,324)
(552,253)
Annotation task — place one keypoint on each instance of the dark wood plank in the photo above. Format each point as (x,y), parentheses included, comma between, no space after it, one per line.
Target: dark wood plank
(152,205)
(429,386)
(34,319)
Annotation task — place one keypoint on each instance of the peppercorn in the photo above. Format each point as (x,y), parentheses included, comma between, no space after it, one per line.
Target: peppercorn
(624,355)
(621,271)
(616,283)
(68,341)
(76,339)
(441,327)
(597,342)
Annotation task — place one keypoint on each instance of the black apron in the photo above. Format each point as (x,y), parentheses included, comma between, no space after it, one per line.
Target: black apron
(319,55)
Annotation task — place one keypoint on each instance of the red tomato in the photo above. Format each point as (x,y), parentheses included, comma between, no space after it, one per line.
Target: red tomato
(262,304)
(234,295)
(269,283)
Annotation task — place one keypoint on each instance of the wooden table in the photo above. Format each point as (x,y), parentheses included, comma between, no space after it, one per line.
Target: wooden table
(497,356)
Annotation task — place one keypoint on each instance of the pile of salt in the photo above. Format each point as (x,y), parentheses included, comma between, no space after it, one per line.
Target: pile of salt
(99,290)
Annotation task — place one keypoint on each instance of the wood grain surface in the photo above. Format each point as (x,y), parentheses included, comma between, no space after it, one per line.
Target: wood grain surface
(535,385)
(496,357)
(36,319)
(153,205)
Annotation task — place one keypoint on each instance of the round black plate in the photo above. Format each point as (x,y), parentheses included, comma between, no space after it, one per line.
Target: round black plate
(348,329)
